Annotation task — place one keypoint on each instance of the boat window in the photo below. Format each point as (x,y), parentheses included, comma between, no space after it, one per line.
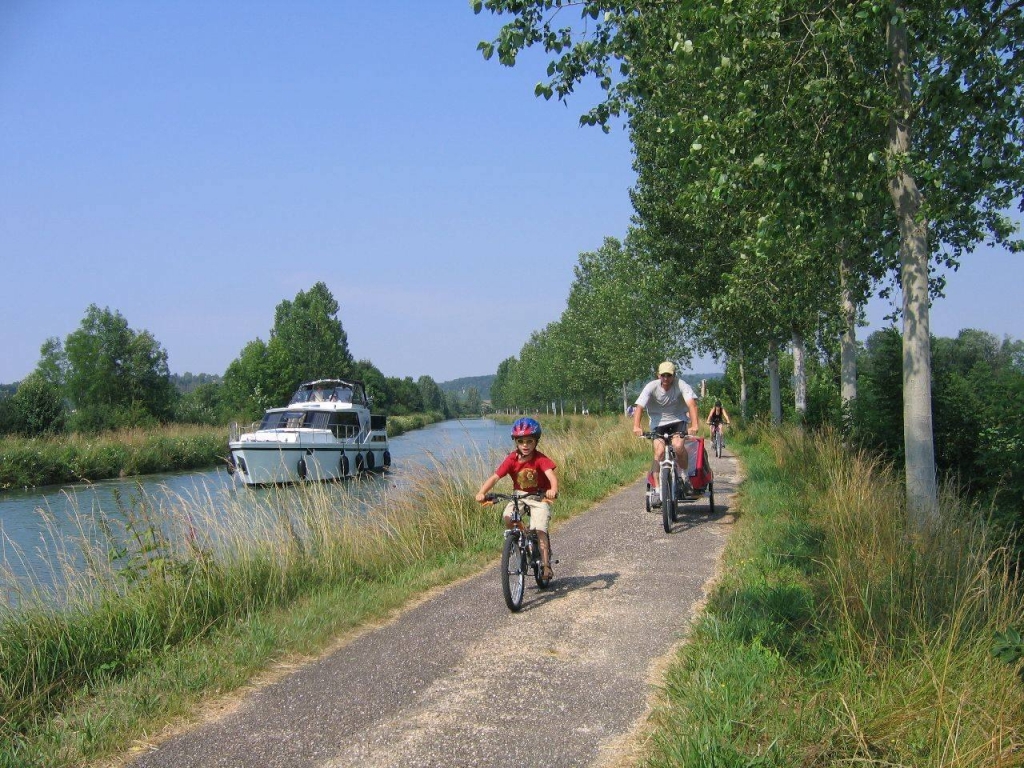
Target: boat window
(273,420)
(345,424)
(317,420)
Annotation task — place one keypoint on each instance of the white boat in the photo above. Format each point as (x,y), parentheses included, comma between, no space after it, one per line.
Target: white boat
(326,432)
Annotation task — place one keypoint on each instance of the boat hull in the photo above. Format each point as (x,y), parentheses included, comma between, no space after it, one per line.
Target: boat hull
(276,464)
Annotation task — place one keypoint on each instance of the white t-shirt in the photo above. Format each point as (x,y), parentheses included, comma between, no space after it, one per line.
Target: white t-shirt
(666,406)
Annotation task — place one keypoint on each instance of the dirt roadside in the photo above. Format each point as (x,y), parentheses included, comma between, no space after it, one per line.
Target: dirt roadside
(457,680)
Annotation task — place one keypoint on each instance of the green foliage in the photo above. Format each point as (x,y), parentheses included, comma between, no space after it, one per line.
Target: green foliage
(306,343)
(202,404)
(786,152)
(112,376)
(977,407)
(36,408)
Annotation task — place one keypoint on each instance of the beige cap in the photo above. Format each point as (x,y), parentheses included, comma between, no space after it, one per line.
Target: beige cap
(667,367)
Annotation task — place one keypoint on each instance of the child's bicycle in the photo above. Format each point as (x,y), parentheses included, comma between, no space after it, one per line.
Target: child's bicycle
(520,552)
(701,481)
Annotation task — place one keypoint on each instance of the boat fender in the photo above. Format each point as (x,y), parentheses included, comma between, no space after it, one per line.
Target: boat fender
(231,464)
(359,463)
(370,461)
(387,459)
(343,466)
(301,468)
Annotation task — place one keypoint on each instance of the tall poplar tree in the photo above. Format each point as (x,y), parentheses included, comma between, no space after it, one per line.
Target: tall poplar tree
(921,102)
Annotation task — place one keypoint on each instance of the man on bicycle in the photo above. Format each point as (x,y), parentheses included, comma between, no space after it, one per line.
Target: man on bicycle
(671,405)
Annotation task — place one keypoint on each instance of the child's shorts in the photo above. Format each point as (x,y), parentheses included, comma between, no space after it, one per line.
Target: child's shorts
(540,513)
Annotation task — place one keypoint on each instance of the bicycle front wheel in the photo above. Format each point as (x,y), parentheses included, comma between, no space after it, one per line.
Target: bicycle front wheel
(668,500)
(718,443)
(513,572)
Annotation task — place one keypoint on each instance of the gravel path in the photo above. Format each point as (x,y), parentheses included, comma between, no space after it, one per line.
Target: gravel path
(457,680)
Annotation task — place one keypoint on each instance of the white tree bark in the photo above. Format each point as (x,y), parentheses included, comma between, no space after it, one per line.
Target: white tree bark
(799,375)
(775,390)
(918,438)
(848,341)
(743,391)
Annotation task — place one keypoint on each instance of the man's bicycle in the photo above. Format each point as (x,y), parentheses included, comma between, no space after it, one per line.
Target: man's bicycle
(678,491)
(520,554)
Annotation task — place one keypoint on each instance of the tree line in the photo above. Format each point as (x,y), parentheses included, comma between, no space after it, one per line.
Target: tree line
(792,160)
(106,375)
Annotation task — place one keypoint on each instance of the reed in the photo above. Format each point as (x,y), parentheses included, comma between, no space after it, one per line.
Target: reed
(194,595)
(838,636)
(30,462)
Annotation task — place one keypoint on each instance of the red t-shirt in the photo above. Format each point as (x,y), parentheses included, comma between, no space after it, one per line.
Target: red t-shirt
(527,476)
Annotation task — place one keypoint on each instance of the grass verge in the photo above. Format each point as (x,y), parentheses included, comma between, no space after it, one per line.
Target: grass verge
(838,637)
(197,603)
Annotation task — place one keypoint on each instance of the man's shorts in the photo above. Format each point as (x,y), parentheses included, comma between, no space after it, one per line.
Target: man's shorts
(676,427)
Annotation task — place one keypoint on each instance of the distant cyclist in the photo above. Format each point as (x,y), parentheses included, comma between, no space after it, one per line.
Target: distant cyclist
(717,415)
(671,405)
(531,472)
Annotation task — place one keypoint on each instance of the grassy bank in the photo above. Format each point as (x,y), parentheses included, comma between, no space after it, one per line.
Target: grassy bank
(199,607)
(30,462)
(836,637)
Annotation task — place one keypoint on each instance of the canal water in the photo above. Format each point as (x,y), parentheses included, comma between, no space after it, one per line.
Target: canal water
(45,525)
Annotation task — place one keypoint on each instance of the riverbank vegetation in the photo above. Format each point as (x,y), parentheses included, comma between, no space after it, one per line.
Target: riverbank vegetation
(836,636)
(195,599)
(47,460)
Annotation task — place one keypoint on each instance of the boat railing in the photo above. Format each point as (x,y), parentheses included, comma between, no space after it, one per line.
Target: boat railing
(236,430)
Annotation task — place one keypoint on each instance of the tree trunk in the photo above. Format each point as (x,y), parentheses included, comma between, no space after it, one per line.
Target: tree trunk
(799,376)
(848,341)
(625,400)
(918,438)
(742,390)
(773,383)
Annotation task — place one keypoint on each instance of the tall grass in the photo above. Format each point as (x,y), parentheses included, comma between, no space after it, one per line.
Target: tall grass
(29,462)
(839,636)
(197,596)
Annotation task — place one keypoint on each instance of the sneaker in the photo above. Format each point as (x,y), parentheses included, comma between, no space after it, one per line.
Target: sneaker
(546,573)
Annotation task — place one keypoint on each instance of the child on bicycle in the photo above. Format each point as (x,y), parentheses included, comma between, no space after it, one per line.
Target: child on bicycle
(531,472)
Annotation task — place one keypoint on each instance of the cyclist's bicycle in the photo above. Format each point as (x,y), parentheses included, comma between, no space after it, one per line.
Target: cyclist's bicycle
(678,491)
(521,551)
(717,441)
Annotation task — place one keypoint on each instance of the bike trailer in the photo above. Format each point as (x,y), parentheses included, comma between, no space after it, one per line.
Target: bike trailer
(700,468)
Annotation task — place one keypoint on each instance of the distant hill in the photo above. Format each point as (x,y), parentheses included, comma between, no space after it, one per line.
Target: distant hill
(461,386)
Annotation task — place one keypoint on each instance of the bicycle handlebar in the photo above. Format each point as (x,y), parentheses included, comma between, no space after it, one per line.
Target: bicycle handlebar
(493,497)
(657,436)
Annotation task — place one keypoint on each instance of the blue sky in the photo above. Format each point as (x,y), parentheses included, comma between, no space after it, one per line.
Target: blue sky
(192,164)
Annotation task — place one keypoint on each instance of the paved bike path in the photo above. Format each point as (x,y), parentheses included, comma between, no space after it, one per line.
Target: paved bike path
(458,680)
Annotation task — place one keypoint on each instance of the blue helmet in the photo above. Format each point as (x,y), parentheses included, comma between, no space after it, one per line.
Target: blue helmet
(526,427)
